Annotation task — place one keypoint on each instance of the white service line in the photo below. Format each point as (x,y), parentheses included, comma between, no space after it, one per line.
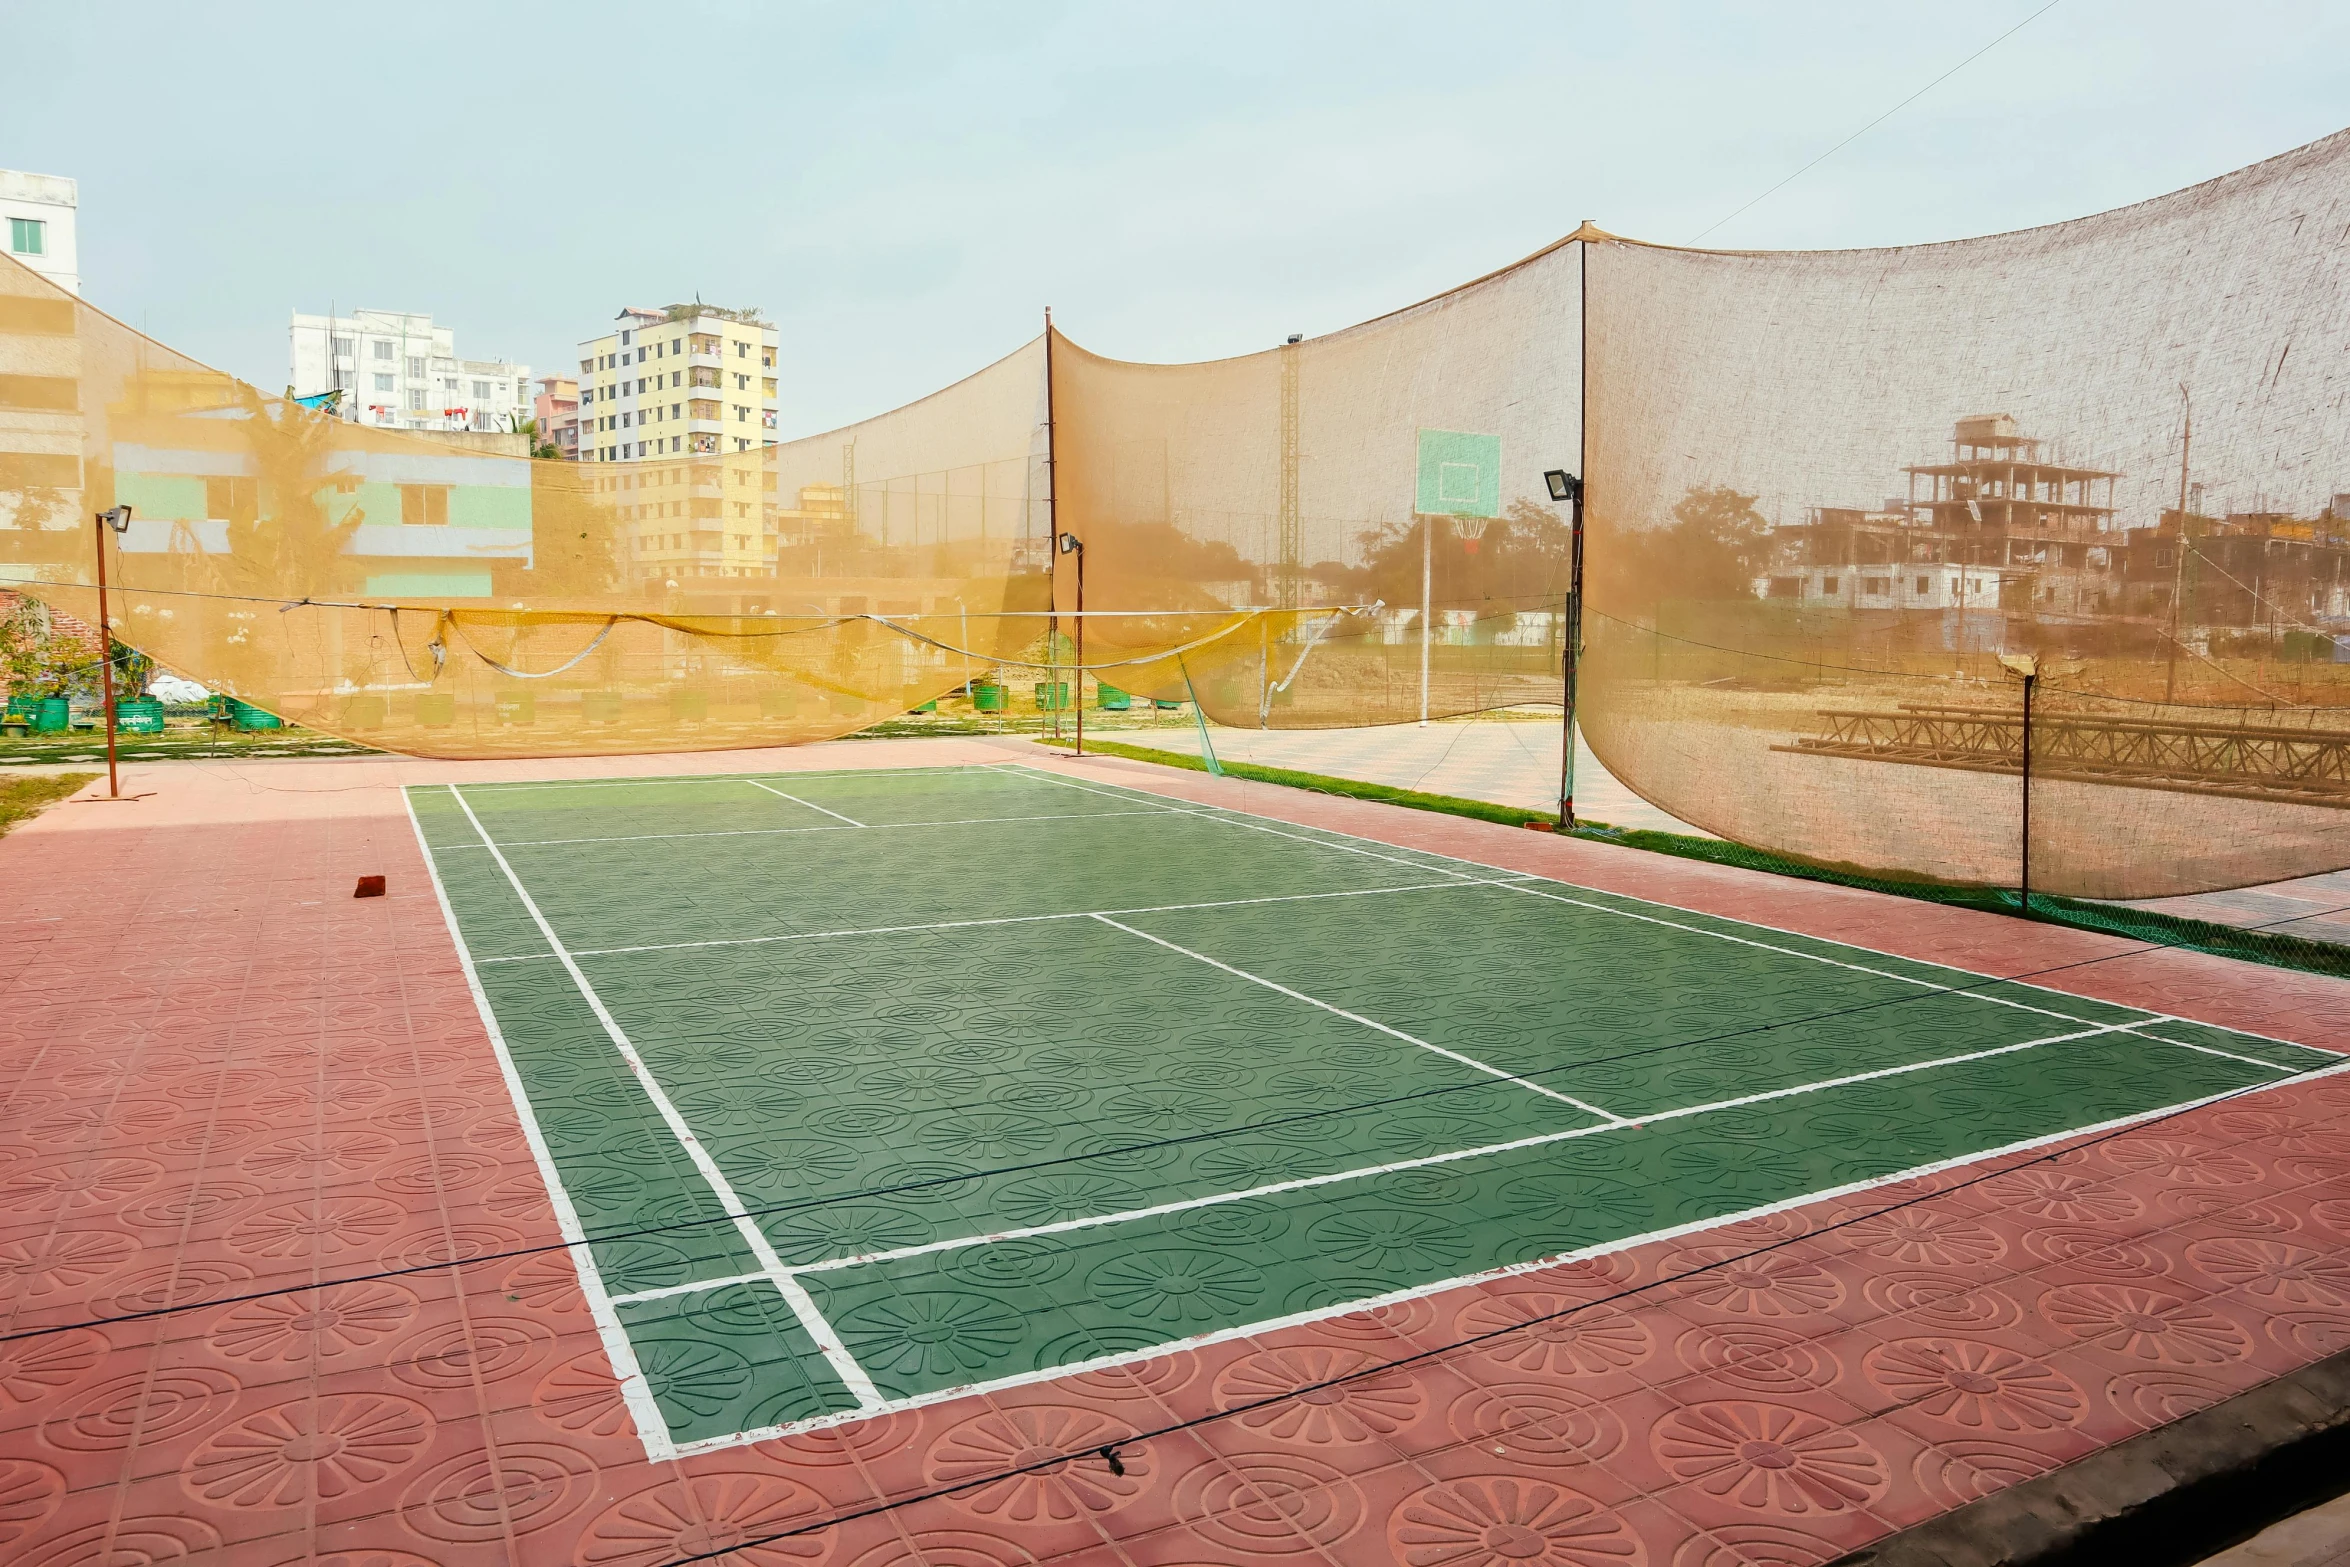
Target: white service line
(802,1303)
(693,1287)
(1479,865)
(2209,1050)
(883,773)
(810,804)
(1439,1286)
(1371,1023)
(636,1393)
(1424,1161)
(1006,919)
(785,832)
(1236,819)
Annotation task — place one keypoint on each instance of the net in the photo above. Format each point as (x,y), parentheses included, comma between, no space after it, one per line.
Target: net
(1831,491)
(1837,501)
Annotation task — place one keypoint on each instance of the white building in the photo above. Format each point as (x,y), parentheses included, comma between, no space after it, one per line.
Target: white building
(401,372)
(38,210)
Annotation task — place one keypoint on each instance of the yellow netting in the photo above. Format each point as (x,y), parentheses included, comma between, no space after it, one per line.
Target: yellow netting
(1828,491)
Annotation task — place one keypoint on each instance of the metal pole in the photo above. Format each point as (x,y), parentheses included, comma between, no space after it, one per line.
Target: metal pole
(1052,517)
(1571,659)
(2030,681)
(2178,586)
(1077,679)
(1427,602)
(106,659)
(1571,656)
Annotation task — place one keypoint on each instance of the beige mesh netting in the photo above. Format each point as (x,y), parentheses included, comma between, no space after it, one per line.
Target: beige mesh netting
(1829,494)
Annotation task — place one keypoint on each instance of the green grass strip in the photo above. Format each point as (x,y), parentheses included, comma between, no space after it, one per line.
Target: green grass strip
(2112,919)
(22,799)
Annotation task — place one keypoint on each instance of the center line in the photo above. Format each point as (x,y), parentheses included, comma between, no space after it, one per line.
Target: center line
(796,800)
(1357,1017)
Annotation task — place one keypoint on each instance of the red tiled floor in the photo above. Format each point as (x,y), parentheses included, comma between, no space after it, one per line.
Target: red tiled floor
(224,1077)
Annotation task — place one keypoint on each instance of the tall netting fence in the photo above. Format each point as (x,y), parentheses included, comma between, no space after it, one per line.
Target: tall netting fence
(1378,491)
(1830,491)
(1837,501)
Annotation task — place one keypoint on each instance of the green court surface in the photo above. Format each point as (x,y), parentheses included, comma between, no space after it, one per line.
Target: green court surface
(871,1087)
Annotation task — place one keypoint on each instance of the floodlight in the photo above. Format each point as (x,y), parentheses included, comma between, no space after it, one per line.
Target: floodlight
(1564,486)
(1070,544)
(118,518)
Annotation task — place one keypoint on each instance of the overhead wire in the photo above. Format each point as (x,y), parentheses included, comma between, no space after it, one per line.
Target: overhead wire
(639,1232)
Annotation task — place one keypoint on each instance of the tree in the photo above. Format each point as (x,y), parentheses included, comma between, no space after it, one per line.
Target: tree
(1714,548)
(289,546)
(27,648)
(543,450)
(1518,560)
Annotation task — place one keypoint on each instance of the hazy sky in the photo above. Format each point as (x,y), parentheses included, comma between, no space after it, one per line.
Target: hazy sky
(903,188)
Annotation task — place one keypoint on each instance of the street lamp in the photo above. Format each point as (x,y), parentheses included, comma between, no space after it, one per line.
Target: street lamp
(119,519)
(1072,545)
(1568,487)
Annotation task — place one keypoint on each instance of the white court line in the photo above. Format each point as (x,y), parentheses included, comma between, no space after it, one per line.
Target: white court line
(1228,813)
(1510,1270)
(695,1287)
(1235,819)
(781,832)
(810,804)
(1007,919)
(636,1393)
(1372,1023)
(802,1303)
(2142,1020)
(1424,1161)
(521,786)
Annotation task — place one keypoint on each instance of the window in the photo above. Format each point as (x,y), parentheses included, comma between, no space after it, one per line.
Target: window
(1831,584)
(677,378)
(1925,585)
(481,390)
(230,500)
(415,367)
(381,350)
(383,383)
(640,356)
(1876,584)
(624,339)
(28,236)
(342,379)
(1786,587)
(342,348)
(587,367)
(674,413)
(416,399)
(425,505)
(2162,557)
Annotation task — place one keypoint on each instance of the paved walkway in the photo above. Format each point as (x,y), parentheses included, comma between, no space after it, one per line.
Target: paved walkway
(279,1280)
(1517,763)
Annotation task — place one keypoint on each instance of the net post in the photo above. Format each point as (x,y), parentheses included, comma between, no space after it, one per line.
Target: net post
(99,524)
(1570,659)
(2031,679)
(1207,747)
(1427,602)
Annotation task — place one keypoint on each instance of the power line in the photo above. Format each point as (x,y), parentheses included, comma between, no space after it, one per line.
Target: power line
(1882,118)
(639,1232)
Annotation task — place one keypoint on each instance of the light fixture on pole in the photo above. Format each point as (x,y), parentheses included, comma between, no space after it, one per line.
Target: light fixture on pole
(1072,545)
(1568,487)
(119,519)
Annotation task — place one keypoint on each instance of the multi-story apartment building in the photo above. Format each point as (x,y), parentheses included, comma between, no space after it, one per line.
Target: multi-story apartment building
(691,380)
(399,371)
(38,210)
(41,417)
(556,408)
(673,392)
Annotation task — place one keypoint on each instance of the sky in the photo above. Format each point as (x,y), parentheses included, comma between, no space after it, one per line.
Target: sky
(903,188)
